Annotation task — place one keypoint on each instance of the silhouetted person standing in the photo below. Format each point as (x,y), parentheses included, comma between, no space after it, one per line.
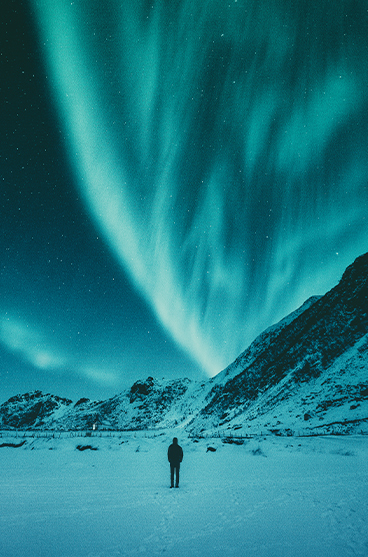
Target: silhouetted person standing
(175,456)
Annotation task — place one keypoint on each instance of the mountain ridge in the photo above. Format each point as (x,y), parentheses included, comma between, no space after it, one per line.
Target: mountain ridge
(307,373)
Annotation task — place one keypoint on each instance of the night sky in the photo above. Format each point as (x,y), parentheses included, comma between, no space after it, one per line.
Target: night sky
(176,176)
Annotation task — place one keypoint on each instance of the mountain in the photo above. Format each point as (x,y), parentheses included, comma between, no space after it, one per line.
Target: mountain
(311,367)
(31,410)
(306,374)
(147,404)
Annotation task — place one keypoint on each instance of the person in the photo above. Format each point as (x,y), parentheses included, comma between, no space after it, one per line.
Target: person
(175,457)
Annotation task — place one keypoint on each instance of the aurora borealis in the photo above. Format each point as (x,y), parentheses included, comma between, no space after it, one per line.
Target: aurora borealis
(220,151)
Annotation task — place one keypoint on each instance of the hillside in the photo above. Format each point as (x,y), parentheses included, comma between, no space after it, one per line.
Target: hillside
(306,374)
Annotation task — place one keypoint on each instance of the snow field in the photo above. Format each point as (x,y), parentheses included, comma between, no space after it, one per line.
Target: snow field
(270,497)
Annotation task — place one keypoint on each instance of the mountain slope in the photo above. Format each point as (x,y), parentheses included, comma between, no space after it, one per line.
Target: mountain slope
(33,409)
(307,373)
(317,343)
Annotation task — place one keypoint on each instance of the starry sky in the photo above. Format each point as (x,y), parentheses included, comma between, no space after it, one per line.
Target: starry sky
(176,176)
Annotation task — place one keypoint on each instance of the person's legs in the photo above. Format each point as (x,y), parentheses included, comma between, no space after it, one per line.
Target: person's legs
(172,467)
(177,475)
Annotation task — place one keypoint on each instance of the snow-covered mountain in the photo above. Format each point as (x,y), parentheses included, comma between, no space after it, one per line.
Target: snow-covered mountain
(147,404)
(308,373)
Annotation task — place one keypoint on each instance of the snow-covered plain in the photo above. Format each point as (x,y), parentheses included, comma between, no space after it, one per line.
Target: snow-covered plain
(270,497)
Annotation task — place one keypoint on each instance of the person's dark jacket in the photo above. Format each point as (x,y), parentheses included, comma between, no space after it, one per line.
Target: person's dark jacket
(175,454)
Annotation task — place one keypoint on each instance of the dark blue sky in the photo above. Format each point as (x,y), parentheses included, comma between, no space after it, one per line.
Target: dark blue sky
(176,177)
(71,323)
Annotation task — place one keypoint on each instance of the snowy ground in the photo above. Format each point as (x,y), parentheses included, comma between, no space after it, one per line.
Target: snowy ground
(269,497)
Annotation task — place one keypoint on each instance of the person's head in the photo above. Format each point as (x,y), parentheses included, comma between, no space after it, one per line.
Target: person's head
(175,440)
